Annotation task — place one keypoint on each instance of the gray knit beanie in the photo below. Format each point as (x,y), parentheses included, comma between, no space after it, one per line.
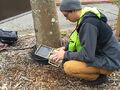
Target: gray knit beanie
(68,5)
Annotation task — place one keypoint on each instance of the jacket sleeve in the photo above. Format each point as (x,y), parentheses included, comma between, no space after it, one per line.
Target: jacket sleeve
(88,38)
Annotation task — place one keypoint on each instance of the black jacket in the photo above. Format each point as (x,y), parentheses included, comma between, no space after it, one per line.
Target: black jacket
(100,47)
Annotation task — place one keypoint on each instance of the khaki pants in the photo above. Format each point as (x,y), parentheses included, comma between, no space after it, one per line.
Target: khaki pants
(82,70)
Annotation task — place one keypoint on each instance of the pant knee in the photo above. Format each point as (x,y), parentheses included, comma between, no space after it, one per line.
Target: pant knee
(70,70)
(67,67)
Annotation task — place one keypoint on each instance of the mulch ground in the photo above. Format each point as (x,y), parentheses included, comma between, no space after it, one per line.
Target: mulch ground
(18,71)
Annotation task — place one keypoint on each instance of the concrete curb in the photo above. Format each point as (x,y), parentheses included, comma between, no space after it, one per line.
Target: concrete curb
(89,2)
(94,2)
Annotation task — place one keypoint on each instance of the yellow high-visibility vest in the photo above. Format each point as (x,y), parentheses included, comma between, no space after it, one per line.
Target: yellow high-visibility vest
(74,42)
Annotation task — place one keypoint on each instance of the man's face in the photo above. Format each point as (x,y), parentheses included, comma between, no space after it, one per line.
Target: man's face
(71,16)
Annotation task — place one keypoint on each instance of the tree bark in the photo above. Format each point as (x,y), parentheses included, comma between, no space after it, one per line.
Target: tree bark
(45,22)
(118,26)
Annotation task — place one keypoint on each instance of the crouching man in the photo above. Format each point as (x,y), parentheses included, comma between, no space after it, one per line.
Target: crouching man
(92,51)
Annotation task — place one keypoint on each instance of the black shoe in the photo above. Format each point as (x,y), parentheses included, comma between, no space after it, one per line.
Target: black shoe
(100,80)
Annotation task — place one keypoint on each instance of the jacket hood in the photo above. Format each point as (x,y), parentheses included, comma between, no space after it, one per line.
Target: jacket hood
(91,14)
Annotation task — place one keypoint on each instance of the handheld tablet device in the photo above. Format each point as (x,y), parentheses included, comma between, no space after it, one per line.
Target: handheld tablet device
(43,51)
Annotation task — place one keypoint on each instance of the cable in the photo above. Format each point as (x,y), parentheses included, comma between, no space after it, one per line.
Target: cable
(24,48)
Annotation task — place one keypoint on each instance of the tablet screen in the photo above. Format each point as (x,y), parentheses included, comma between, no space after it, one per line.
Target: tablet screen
(43,51)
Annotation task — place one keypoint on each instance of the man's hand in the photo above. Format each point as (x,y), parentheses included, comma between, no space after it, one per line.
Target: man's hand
(57,55)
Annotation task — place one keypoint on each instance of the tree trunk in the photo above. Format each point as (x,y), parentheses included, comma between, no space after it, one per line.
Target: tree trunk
(118,26)
(45,22)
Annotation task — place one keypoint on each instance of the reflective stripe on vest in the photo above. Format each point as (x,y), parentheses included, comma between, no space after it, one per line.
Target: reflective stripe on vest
(74,42)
